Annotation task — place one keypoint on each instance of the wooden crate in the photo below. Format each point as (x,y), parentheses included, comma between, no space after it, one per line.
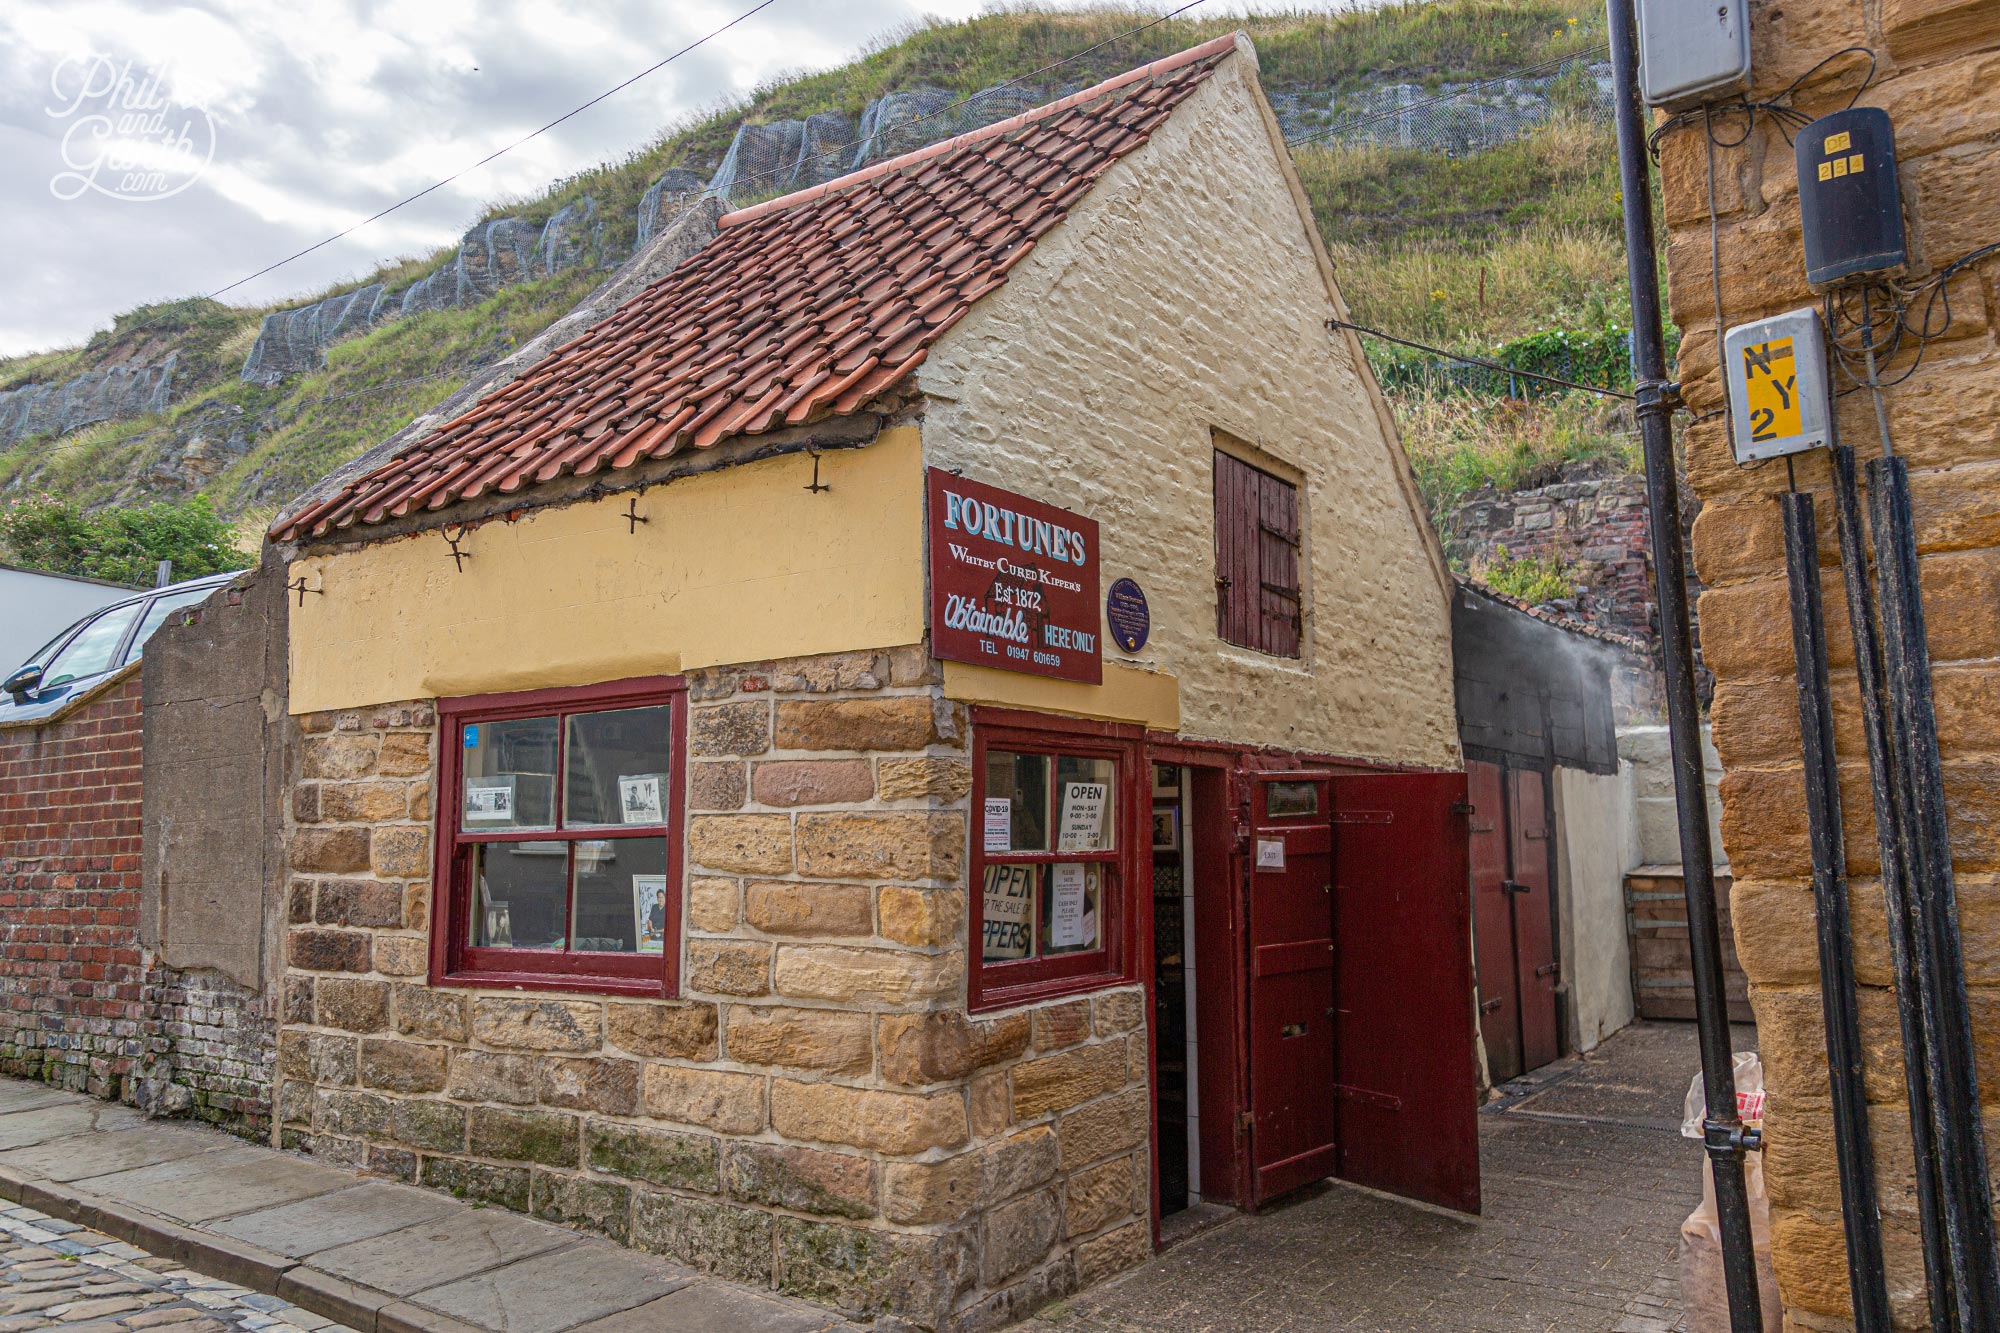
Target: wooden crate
(1656,926)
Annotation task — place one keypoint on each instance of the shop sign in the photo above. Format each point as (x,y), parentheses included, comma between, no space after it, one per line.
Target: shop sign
(1013,582)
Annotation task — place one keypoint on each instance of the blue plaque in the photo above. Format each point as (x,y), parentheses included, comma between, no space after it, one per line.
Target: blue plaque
(1131,621)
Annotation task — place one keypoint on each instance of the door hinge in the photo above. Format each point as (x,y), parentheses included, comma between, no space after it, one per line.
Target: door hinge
(1548,969)
(1515,886)
(1242,1124)
(1491,1006)
(1465,808)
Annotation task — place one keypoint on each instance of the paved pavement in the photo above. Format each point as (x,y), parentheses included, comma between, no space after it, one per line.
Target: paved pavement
(62,1276)
(363,1254)
(1585,1178)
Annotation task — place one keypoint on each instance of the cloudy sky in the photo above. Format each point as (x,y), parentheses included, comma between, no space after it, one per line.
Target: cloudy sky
(266,125)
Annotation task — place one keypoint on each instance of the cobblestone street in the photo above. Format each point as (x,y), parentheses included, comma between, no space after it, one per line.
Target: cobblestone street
(58,1275)
(1586,1180)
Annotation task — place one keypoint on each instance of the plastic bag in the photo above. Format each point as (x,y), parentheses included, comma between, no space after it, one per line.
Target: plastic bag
(1704,1295)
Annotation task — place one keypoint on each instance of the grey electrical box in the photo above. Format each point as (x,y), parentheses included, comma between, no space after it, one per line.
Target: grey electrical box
(1692,51)
(1777,385)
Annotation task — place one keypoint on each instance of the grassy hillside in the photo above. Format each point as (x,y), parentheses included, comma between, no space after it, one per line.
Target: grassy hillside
(1471,251)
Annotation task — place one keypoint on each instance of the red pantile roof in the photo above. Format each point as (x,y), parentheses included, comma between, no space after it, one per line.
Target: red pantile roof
(801,308)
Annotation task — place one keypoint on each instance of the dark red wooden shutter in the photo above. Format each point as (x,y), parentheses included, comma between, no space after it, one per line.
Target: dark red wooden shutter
(1256,558)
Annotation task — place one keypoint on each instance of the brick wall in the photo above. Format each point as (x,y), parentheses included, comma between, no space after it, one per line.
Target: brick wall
(82,1003)
(1937,64)
(71,977)
(817,1112)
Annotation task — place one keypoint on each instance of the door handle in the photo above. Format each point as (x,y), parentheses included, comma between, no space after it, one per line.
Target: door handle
(1490,1006)
(1547,970)
(1515,886)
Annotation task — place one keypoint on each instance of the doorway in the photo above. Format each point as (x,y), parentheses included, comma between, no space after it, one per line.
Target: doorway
(1177,1069)
(1514,914)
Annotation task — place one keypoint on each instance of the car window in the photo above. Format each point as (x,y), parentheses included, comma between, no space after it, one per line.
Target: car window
(157,613)
(94,649)
(42,653)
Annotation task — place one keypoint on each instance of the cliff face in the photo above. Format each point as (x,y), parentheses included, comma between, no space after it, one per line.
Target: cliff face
(117,390)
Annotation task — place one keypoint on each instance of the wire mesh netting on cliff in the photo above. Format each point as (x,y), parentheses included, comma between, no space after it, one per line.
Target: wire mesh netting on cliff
(1459,118)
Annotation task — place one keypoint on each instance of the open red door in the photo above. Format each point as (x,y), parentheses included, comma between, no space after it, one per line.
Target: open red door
(1291,982)
(1404,1078)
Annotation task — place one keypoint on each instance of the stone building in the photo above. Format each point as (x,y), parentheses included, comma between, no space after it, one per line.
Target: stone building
(1934,75)
(911,750)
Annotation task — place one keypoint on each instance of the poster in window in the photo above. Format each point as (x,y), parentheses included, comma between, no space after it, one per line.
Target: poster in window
(639,799)
(490,800)
(1166,828)
(999,828)
(1072,918)
(649,912)
(1009,912)
(1082,823)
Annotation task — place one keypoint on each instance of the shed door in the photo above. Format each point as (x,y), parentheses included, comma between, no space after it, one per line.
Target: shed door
(1291,983)
(1534,917)
(1404,1074)
(1493,922)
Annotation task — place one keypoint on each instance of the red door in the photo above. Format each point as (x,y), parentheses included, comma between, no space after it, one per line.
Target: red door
(1493,923)
(1291,983)
(1534,921)
(1404,1075)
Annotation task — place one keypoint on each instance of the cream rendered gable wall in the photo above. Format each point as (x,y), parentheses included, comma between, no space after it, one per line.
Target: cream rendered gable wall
(740,564)
(1185,293)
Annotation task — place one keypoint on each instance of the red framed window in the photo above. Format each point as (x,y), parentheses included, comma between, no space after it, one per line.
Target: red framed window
(559,838)
(1055,841)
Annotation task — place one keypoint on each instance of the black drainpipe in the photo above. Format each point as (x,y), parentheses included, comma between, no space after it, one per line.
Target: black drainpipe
(1723,1132)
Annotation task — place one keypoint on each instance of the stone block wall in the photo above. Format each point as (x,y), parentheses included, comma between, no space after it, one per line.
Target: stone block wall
(1937,60)
(815,1112)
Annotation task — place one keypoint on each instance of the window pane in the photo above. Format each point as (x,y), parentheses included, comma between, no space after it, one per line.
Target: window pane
(1009,913)
(519,890)
(1290,800)
(616,768)
(621,896)
(509,775)
(1016,818)
(1071,903)
(91,651)
(1084,810)
(157,612)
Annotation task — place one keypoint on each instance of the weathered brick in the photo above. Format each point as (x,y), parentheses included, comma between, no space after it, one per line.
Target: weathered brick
(1061,1025)
(728,1102)
(919,1193)
(865,1272)
(812,782)
(670,1031)
(912,845)
(744,844)
(1114,1252)
(524,1136)
(401,852)
(714,905)
(1057,1082)
(785,907)
(992,1103)
(717,784)
(1016,1235)
(363,802)
(1103,1129)
(338,756)
(826,1039)
(1095,1198)
(404,754)
(1117,1011)
(729,967)
(609,1087)
(537,1025)
(828,673)
(801,1180)
(490,1076)
(722,1239)
(328,851)
(946,1045)
(741,728)
(656,1156)
(890,1122)
(506,1186)
(921,918)
(887,976)
(905,723)
(402,1066)
(927,778)
(1020,1162)
(359,902)
(602,1206)
(328,950)
(352,1004)
(427,1125)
